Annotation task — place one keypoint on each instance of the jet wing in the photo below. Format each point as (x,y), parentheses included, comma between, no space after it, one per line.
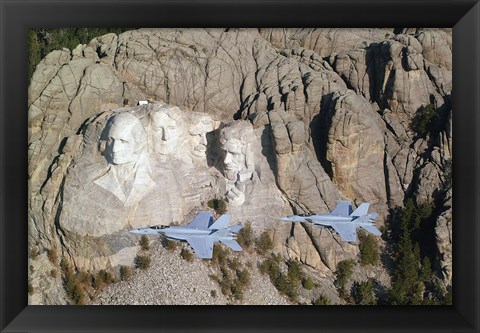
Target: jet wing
(203,246)
(343,208)
(347,231)
(201,220)
(361,210)
(371,229)
(221,223)
(232,244)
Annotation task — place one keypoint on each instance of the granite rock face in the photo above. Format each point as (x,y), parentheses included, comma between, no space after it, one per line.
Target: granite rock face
(274,121)
(355,146)
(443,234)
(299,174)
(325,42)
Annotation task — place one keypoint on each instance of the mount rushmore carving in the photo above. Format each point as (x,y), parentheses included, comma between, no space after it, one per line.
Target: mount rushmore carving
(151,159)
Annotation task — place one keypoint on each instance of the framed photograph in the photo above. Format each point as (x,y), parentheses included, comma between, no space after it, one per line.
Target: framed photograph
(185,156)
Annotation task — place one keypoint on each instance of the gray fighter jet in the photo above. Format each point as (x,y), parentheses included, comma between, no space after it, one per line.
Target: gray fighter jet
(202,233)
(342,220)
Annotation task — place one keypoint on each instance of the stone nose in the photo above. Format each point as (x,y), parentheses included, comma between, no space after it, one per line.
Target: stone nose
(165,135)
(203,139)
(115,146)
(228,158)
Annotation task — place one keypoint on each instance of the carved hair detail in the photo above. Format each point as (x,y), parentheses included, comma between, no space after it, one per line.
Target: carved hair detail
(241,130)
(172,112)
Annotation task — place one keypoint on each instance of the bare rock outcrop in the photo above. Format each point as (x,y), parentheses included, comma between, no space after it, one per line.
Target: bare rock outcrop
(437,47)
(326,41)
(319,248)
(45,282)
(443,234)
(356,145)
(299,174)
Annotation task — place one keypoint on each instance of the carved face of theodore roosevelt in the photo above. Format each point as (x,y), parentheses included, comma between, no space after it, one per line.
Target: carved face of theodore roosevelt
(125,139)
(202,124)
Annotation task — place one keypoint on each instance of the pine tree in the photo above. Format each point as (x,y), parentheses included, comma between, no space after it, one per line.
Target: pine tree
(245,236)
(343,273)
(264,243)
(363,293)
(144,243)
(322,300)
(368,246)
(426,272)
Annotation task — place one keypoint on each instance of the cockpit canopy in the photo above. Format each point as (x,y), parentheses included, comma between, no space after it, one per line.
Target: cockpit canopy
(156,227)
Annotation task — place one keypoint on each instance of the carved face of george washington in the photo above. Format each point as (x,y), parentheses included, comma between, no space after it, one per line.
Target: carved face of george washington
(125,139)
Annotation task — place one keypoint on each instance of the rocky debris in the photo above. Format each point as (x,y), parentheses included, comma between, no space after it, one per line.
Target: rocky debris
(45,281)
(171,280)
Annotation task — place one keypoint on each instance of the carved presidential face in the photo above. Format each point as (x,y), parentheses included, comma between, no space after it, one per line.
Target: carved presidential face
(235,139)
(234,160)
(165,133)
(125,139)
(198,135)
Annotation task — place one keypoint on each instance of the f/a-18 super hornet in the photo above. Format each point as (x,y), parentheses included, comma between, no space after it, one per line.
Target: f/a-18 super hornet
(202,233)
(342,219)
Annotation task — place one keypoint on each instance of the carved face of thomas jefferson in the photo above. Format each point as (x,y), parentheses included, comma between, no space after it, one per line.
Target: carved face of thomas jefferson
(165,133)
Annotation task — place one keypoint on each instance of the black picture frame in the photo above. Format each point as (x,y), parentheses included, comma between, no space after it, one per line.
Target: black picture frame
(19,15)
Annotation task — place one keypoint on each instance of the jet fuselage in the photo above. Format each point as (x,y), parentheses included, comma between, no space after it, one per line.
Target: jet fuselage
(342,219)
(178,232)
(318,218)
(201,233)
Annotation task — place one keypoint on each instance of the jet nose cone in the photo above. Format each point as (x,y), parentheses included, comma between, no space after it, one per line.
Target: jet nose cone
(136,231)
(286,219)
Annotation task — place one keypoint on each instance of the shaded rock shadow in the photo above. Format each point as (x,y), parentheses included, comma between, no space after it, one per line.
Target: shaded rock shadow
(319,127)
